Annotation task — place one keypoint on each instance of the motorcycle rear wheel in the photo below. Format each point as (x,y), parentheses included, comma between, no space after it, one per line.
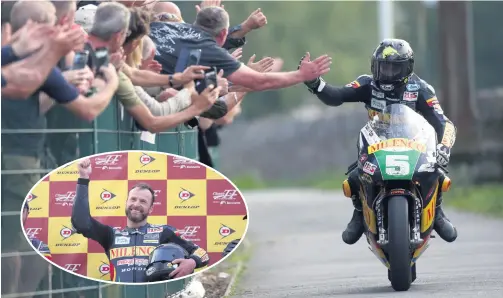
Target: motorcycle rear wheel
(398,247)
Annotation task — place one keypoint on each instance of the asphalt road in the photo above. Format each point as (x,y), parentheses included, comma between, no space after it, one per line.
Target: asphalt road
(298,252)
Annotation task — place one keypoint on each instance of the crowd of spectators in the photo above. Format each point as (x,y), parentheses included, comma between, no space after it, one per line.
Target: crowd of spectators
(80,56)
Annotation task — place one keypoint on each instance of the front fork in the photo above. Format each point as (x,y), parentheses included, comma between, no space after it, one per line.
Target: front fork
(415,234)
(382,237)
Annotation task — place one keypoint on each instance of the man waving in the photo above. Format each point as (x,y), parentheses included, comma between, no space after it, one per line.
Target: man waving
(128,249)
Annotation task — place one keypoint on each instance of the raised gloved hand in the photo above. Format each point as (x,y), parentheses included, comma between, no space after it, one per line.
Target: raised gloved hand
(443,155)
(230,247)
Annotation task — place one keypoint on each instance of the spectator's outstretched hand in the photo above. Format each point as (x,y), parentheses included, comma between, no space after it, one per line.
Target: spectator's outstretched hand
(311,70)
(264,65)
(208,3)
(238,53)
(150,64)
(256,20)
(191,73)
(29,38)
(118,59)
(67,38)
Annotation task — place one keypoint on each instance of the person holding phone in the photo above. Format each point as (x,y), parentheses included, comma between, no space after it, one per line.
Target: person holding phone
(209,32)
(76,72)
(181,100)
(106,38)
(105,42)
(80,74)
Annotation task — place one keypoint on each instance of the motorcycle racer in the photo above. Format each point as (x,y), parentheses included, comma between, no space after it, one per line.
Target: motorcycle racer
(129,249)
(392,81)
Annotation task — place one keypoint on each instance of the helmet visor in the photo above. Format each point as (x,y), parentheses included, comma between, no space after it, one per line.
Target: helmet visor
(391,71)
(167,253)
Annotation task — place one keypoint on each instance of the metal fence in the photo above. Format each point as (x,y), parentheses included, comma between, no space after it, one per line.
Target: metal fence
(68,138)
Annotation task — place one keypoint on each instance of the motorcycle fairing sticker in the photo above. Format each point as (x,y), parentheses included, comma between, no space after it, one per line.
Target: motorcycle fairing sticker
(397,165)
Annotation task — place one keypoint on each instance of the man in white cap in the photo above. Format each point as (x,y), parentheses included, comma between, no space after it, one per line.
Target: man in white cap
(84,16)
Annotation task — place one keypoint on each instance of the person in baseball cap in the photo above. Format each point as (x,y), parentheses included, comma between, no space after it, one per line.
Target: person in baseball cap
(84,16)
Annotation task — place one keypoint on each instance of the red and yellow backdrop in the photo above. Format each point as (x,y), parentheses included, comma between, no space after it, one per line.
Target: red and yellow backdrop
(202,204)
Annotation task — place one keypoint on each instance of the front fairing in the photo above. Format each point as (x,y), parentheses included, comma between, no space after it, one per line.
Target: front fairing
(396,144)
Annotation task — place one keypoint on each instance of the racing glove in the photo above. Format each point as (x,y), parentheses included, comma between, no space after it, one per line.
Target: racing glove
(314,85)
(230,247)
(443,155)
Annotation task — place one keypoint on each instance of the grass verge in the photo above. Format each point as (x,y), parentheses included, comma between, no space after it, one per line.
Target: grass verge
(483,199)
(327,181)
(217,285)
(238,259)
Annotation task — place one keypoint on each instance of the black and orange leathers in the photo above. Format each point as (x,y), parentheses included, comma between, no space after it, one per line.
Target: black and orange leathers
(417,94)
(128,249)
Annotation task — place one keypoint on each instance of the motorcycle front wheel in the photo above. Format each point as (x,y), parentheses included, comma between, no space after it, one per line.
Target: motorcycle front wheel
(398,247)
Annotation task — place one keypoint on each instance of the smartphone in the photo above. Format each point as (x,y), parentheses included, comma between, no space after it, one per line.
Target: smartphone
(210,78)
(80,60)
(102,58)
(194,57)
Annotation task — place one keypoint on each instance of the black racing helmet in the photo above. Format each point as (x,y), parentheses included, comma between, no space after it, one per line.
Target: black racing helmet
(160,261)
(392,63)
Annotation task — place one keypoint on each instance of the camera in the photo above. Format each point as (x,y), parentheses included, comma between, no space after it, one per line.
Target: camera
(210,78)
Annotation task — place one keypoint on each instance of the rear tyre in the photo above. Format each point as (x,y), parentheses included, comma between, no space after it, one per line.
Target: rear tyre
(399,243)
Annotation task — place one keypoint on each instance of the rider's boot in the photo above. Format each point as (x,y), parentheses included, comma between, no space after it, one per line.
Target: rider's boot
(442,225)
(355,228)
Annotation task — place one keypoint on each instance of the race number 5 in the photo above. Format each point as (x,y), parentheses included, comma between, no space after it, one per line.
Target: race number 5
(397,165)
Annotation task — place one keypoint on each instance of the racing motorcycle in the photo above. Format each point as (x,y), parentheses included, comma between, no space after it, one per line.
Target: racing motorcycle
(399,187)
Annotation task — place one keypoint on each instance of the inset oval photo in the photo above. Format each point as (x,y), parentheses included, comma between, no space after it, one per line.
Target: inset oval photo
(133,217)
